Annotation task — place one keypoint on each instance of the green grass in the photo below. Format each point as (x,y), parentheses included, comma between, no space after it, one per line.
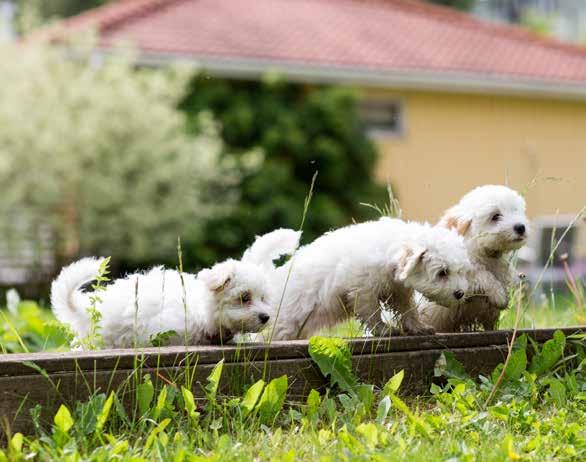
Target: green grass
(538,412)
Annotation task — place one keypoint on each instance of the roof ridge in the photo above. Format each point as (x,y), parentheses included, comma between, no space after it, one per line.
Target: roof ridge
(467,20)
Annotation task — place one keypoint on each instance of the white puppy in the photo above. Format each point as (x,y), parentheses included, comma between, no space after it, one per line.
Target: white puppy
(493,223)
(350,270)
(208,308)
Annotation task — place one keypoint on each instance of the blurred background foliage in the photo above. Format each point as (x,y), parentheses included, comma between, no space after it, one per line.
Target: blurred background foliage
(117,160)
(98,155)
(295,131)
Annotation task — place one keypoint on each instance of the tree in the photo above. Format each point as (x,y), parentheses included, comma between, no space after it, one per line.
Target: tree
(283,134)
(96,151)
(464,5)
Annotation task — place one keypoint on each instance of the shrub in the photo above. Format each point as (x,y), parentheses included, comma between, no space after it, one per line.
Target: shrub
(296,131)
(98,152)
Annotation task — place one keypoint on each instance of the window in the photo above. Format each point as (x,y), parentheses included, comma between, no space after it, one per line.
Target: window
(382,118)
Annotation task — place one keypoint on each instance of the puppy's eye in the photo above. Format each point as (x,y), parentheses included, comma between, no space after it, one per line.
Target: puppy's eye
(496,217)
(443,274)
(245,297)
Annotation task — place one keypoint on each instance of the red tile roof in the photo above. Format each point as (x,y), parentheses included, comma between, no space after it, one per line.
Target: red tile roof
(380,38)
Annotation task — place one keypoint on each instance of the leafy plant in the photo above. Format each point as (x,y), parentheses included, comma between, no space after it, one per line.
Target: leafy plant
(279,133)
(334,359)
(97,148)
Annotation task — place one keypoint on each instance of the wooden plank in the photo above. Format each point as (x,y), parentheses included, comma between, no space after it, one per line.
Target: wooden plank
(69,377)
(20,393)
(14,364)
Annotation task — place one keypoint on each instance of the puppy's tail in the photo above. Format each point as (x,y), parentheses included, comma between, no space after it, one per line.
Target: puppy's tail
(68,302)
(271,246)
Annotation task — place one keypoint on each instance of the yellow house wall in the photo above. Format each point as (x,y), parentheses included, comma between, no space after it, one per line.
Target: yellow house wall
(452,143)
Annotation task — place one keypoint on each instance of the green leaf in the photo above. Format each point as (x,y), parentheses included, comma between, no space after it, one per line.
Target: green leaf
(161,401)
(251,397)
(393,384)
(448,366)
(16,443)
(383,409)
(272,399)
(365,393)
(557,391)
(334,359)
(369,433)
(313,402)
(550,354)
(104,413)
(189,401)
(158,429)
(214,380)
(145,392)
(162,338)
(63,420)
(518,360)
(420,425)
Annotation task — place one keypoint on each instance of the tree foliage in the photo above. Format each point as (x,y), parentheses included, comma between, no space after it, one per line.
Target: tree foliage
(98,151)
(279,135)
(464,5)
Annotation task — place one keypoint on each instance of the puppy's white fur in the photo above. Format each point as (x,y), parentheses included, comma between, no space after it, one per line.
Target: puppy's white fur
(208,308)
(348,271)
(270,246)
(489,218)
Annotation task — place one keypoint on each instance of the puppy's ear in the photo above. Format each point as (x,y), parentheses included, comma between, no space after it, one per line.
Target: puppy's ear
(451,221)
(411,257)
(216,278)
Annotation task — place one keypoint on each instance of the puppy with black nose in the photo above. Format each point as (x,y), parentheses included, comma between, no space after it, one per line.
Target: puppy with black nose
(207,308)
(493,223)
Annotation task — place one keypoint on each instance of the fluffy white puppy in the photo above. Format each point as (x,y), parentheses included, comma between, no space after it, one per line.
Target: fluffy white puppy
(208,308)
(349,270)
(493,223)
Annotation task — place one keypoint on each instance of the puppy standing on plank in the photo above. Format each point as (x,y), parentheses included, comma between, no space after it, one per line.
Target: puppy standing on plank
(493,223)
(211,307)
(349,270)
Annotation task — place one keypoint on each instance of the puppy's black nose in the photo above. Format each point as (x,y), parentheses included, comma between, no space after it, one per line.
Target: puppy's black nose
(264,318)
(519,229)
(458,294)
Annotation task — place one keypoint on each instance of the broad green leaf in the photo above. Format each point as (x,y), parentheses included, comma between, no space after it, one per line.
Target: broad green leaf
(313,402)
(500,412)
(393,384)
(518,360)
(272,399)
(448,366)
(365,393)
(334,359)
(214,380)
(557,391)
(63,420)
(189,401)
(16,443)
(104,413)
(161,401)
(251,397)
(550,354)
(383,410)
(145,392)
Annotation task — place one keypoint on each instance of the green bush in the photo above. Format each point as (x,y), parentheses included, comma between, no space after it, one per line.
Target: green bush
(97,152)
(278,135)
